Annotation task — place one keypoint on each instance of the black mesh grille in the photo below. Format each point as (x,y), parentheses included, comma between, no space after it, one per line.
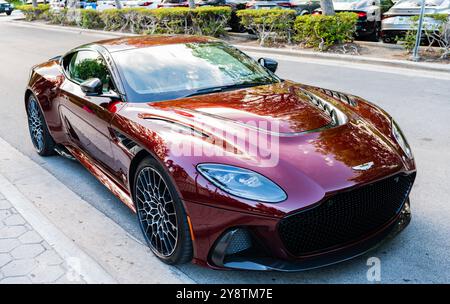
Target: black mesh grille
(345,217)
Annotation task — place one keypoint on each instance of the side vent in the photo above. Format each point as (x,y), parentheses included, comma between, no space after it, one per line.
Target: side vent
(337,117)
(127,143)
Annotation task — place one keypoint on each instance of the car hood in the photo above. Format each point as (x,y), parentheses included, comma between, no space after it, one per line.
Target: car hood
(281,105)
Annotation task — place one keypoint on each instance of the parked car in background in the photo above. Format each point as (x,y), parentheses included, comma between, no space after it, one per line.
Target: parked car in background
(56,5)
(102,5)
(173,3)
(369,16)
(37,1)
(398,20)
(302,7)
(266,4)
(6,7)
(92,4)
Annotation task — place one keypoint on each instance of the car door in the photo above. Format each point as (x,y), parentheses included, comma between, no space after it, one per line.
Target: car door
(87,118)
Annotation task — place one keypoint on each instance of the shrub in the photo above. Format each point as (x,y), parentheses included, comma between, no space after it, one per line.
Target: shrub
(91,19)
(432,35)
(270,26)
(114,19)
(34,13)
(211,21)
(320,31)
(57,16)
(172,21)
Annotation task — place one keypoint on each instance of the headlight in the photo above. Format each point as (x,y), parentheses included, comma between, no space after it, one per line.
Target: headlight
(401,140)
(242,183)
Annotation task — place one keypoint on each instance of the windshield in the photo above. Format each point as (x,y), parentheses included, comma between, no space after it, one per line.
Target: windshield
(178,70)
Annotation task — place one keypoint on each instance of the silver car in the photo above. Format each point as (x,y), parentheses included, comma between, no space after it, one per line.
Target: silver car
(398,20)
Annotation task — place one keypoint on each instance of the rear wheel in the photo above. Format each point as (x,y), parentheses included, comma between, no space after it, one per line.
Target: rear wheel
(40,136)
(161,214)
(375,36)
(8,13)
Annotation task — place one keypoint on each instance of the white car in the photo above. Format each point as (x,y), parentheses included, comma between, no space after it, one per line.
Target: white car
(102,5)
(398,20)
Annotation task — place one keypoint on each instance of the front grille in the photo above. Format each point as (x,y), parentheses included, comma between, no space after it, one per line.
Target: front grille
(345,217)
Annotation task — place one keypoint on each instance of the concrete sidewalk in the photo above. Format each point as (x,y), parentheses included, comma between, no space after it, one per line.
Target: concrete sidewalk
(25,257)
(48,234)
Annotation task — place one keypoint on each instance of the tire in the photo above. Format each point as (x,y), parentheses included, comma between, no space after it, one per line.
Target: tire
(8,13)
(162,219)
(375,36)
(40,136)
(389,40)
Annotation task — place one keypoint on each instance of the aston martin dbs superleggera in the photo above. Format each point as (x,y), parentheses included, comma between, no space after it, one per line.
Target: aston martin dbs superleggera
(226,164)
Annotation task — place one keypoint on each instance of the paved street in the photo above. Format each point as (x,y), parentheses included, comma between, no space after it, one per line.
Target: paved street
(419,101)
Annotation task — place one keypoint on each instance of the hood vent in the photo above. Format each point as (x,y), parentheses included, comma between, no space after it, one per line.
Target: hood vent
(338,118)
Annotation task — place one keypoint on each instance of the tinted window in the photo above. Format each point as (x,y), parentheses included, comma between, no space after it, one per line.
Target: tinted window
(84,65)
(176,70)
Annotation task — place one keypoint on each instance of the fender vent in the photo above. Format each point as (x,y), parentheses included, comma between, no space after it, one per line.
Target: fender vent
(124,141)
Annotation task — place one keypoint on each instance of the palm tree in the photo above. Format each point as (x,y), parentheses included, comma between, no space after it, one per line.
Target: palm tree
(327,7)
(118,4)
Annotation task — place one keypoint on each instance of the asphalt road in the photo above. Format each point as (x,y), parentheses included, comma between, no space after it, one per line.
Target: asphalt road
(419,101)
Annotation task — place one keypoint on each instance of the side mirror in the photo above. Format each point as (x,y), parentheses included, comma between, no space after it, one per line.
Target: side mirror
(269,64)
(92,87)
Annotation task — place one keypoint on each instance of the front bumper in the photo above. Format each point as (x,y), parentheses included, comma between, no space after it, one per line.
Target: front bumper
(262,263)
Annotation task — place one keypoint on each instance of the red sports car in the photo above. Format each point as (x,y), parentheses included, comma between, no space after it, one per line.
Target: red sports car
(226,164)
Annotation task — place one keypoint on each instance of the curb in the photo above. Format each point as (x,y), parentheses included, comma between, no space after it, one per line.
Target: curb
(422,66)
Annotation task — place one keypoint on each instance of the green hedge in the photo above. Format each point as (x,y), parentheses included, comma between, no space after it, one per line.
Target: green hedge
(270,26)
(321,32)
(210,21)
(34,13)
(91,19)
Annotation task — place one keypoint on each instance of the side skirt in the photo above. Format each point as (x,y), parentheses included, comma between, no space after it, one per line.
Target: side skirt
(103,177)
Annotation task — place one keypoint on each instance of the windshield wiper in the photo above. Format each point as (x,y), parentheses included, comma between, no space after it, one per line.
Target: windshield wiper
(226,88)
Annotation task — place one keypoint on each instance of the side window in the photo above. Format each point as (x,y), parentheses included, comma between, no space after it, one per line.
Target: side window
(84,65)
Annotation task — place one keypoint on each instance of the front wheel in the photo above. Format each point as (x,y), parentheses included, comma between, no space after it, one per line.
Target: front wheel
(40,136)
(161,214)
(375,36)
(8,13)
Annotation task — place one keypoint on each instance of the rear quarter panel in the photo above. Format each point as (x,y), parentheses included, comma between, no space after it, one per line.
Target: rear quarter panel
(44,83)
